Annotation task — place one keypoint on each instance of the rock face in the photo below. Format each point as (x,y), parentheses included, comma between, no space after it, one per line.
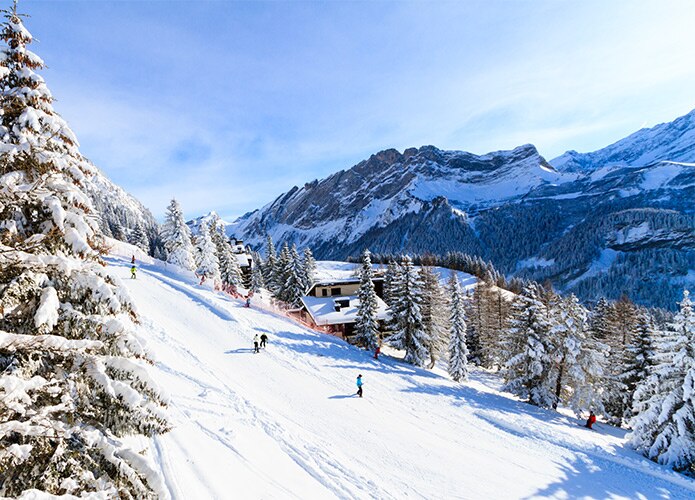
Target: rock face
(618,220)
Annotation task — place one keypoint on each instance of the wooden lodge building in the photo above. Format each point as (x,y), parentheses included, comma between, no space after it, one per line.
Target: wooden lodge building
(331,305)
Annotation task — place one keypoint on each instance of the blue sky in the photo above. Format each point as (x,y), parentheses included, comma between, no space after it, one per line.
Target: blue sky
(226,104)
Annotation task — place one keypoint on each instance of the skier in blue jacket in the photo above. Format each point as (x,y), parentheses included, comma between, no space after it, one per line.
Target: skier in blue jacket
(359,385)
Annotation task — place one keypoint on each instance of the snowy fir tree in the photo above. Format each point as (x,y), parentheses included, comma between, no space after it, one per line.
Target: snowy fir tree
(289,276)
(664,430)
(527,368)
(257,281)
(230,271)
(392,272)
(207,264)
(308,268)
(579,361)
(270,267)
(138,238)
(177,238)
(367,325)
(434,315)
(641,357)
(458,351)
(73,381)
(408,330)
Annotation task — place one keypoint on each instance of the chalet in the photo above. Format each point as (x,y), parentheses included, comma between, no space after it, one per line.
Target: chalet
(244,258)
(332,305)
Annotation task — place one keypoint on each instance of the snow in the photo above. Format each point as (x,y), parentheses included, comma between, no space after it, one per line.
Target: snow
(285,423)
(661,175)
(322,309)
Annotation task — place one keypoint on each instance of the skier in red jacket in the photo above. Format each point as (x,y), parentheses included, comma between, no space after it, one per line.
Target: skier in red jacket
(591,420)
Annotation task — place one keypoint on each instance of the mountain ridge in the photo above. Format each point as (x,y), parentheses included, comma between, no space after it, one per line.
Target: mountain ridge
(515,209)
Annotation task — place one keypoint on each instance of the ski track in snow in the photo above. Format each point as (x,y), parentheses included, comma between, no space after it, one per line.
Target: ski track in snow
(285,423)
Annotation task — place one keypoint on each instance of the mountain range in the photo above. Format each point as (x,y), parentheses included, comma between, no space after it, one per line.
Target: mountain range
(615,221)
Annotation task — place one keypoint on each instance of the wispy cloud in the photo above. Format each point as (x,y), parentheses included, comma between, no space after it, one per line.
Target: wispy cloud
(227,104)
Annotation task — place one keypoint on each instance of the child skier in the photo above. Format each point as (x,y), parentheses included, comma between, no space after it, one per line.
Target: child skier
(359,385)
(264,339)
(132,272)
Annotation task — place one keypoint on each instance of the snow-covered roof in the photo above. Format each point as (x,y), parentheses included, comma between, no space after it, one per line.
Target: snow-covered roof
(322,309)
(243,259)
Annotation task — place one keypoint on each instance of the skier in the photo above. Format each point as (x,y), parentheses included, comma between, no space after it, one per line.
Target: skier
(359,385)
(591,420)
(133,269)
(264,339)
(255,344)
(377,351)
(248,302)
(132,261)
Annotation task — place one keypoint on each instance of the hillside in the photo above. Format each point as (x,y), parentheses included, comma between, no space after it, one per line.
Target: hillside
(613,222)
(285,423)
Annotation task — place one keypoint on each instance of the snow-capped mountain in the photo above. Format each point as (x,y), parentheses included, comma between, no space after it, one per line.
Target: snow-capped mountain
(674,141)
(619,220)
(119,212)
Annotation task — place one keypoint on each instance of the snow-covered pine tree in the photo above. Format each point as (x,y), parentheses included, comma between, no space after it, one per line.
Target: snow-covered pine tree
(230,271)
(641,357)
(528,361)
(308,268)
(289,276)
(392,272)
(177,238)
(72,371)
(207,264)
(434,315)
(578,361)
(138,238)
(367,324)
(458,351)
(622,324)
(295,282)
(663,431)
(406,315)
(270,267)
(257,281)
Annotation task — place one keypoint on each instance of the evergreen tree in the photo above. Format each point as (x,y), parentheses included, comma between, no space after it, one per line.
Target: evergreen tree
(622,325)
(230,271)
(406,315)
(458,351)
(207,264)
(367,325)
(641,357)
(663,430)
(177,238)
(72,377)
(257,281)
(308,268)
(392,274)
(139,238)
(270,268)
(528,360)
(289,276)
(434,315)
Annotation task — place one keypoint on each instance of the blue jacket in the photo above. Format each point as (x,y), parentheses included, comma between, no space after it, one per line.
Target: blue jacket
(359,381)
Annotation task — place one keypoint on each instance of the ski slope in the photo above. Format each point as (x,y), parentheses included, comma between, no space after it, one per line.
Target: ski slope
(285,423)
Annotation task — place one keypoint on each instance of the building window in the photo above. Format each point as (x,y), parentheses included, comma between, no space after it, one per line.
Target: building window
(335,291)
(324,292)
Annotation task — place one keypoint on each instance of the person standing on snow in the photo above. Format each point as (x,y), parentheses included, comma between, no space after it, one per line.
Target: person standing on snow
(132,261)
(359,385)
(255,344)
(264,339)
(591,420)
(133,269)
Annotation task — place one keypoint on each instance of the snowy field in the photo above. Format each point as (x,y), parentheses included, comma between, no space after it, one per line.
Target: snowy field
(285,423)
